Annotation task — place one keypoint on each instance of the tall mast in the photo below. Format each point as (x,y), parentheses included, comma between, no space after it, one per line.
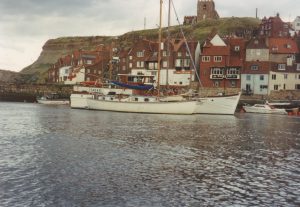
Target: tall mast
(168,45)
(159,48)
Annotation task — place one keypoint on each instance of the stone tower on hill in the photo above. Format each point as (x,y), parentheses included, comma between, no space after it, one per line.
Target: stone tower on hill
(206,10)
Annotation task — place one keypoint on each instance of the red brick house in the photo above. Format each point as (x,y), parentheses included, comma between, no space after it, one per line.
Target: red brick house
(221,62)
(274,27)
(284,66)
(80,66)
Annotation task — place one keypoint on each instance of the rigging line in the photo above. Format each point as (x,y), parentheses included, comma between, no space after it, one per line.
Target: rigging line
(186,44)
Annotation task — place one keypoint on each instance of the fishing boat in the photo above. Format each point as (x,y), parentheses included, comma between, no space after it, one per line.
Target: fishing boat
(52,99)
(263,108)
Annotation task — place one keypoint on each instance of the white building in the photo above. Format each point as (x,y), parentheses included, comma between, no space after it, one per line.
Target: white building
(296,24)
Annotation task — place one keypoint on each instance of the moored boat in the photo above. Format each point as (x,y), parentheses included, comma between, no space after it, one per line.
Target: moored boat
(222,105)
(141,104)
(263,108)
(53,99)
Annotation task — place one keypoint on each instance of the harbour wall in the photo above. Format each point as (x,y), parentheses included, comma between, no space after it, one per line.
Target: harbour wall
(29,92)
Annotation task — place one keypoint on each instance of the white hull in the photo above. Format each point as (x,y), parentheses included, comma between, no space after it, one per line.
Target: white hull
(223,105)
(79,101)
(263,109)
(54,102)
(182,107)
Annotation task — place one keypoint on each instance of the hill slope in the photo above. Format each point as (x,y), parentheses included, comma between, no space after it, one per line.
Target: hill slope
(56,48)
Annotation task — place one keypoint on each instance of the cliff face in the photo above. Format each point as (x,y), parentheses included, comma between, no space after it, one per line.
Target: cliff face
(53,49)
(56,48)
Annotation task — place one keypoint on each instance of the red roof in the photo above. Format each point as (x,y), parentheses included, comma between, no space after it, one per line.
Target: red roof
(283,46)
(216,50)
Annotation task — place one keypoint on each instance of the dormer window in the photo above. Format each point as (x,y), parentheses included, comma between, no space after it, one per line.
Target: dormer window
(217,58)
(140,54)
(281,66)
(254,67)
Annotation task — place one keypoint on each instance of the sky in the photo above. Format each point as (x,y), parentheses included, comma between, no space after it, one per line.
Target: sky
(25,25)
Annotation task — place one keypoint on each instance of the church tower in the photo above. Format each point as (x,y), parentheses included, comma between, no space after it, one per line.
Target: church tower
(206,10)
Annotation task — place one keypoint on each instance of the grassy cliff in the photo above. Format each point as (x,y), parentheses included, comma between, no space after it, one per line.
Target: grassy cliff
(56,48)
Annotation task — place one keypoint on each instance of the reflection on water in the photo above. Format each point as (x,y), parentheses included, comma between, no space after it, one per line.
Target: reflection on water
(55,156)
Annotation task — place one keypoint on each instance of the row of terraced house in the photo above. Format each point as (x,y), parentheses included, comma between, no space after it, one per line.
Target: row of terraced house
(268,61)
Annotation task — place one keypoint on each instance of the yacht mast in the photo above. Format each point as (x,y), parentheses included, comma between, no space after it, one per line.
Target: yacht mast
(168,45)
(159,48)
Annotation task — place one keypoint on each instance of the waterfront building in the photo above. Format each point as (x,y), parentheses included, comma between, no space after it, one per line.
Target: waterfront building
(221,62)
(255,75)
(176,64)
(296,24)
(285,67)
(274,27)
(80,66)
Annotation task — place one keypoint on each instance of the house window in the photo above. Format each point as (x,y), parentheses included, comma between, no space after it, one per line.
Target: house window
(233,84)
(285,76)
(297,86)
(124,60)
(233,71)
(281,66)
(89,62)
(164,53)
(298,66)
(130,65)
(254,67)
(88,71)
(130,57)
(123,67)
(186,63)
(236,48)
(179,54)
(261,77)
(165,64)
(273,76)
(207,59)
(216,83)
(139,64)
(276,87)
(140,54)
(178,62)
(248,77)
(217,71)
(263,87)
(218,58)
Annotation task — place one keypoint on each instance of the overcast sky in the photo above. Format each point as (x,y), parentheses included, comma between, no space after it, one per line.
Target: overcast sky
(25,25)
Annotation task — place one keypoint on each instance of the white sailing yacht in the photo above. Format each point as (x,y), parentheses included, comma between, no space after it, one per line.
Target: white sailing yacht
(143,104)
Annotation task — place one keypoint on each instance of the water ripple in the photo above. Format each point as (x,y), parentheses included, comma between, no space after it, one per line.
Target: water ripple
(55,156)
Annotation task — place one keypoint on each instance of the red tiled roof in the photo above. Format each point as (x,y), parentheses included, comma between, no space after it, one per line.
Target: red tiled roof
(283,46)
(216,50)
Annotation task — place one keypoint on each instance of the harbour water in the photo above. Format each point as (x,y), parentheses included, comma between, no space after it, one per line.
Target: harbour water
(57,156)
